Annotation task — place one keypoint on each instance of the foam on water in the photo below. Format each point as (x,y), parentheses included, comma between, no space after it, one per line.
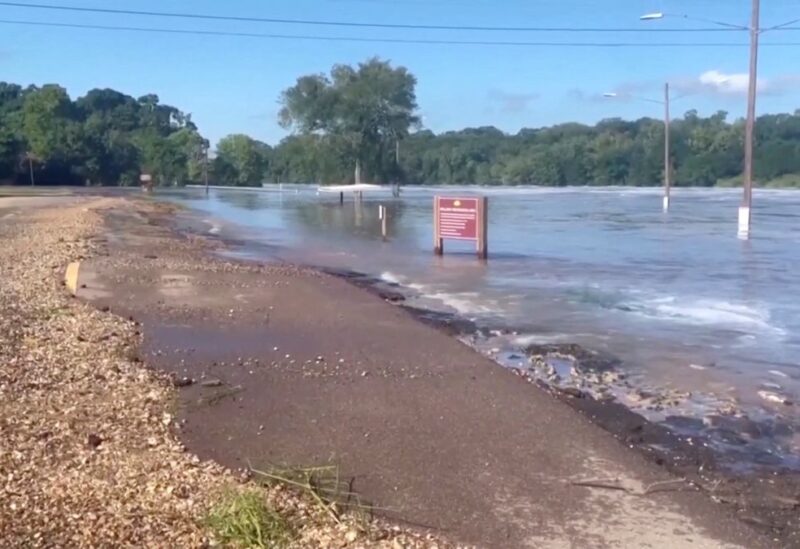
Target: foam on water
(216,226)
(391,278)
(524,340)
(465,303)
(707,312)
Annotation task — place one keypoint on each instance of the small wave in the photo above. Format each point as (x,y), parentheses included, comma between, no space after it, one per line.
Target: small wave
(400,280)
(391,278)
(215,227)
(464,303)
(525,340)
(708,312)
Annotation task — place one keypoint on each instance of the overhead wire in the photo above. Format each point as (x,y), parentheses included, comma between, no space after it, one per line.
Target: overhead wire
(355,24)
(365,39)
(424,41)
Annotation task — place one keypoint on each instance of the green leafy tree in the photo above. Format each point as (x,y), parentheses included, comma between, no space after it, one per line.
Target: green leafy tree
(364,109)
(241,161)
(49,125)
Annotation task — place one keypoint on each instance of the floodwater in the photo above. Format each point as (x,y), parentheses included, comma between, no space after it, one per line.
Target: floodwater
(689,309)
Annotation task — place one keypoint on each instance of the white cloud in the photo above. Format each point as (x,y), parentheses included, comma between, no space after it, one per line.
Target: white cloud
(733,83)
(711,83)
(718,82)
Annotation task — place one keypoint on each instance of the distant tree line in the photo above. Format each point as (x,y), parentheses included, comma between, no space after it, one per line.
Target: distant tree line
(705,152)
(105,137)
(351,125)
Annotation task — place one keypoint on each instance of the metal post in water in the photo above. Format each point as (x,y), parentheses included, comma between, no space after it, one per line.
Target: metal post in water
(384,217)
(205,167)
(667,159)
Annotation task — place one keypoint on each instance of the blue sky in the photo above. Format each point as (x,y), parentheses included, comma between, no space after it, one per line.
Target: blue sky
(232,85)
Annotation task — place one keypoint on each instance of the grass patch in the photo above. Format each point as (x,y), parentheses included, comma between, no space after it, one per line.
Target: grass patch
(242,519)
(786,181)
(332,494)
(56,312)
(729,182)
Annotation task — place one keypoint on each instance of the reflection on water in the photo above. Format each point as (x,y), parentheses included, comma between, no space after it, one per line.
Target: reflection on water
(353,219)
(677,296)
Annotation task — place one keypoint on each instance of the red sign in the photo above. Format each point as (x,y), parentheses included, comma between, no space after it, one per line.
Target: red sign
(457,218)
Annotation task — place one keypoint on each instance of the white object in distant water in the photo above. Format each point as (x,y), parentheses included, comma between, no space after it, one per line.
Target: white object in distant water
(357,188)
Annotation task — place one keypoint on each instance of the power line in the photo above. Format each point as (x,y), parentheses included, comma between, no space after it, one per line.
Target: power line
(390,40)
(407,26)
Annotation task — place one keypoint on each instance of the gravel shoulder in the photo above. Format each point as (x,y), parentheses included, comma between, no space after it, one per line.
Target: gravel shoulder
(89,448)
(282,365)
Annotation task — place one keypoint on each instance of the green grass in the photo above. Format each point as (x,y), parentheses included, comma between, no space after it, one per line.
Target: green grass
(729,182)
(242,519)
(324,486)
(787,181)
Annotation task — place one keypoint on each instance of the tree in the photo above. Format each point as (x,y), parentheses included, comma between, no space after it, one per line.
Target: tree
(241,160)
(12,143)
(11,149)
(52,133)
(49,123)
(192,148)
(366,109)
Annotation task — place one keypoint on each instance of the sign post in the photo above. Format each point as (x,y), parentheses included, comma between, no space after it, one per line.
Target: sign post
(461,219)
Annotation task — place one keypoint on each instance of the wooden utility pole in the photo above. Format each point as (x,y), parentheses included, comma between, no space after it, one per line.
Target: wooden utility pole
(667,140)
(667,159)
(205,166)
(396,190)
(30,169)
(745,214)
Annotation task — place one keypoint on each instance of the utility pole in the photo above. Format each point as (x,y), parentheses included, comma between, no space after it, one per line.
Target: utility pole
(205,166)
(667,159)
(667,123)
(745,214)
(30,169)
(396,190)
(755,30)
